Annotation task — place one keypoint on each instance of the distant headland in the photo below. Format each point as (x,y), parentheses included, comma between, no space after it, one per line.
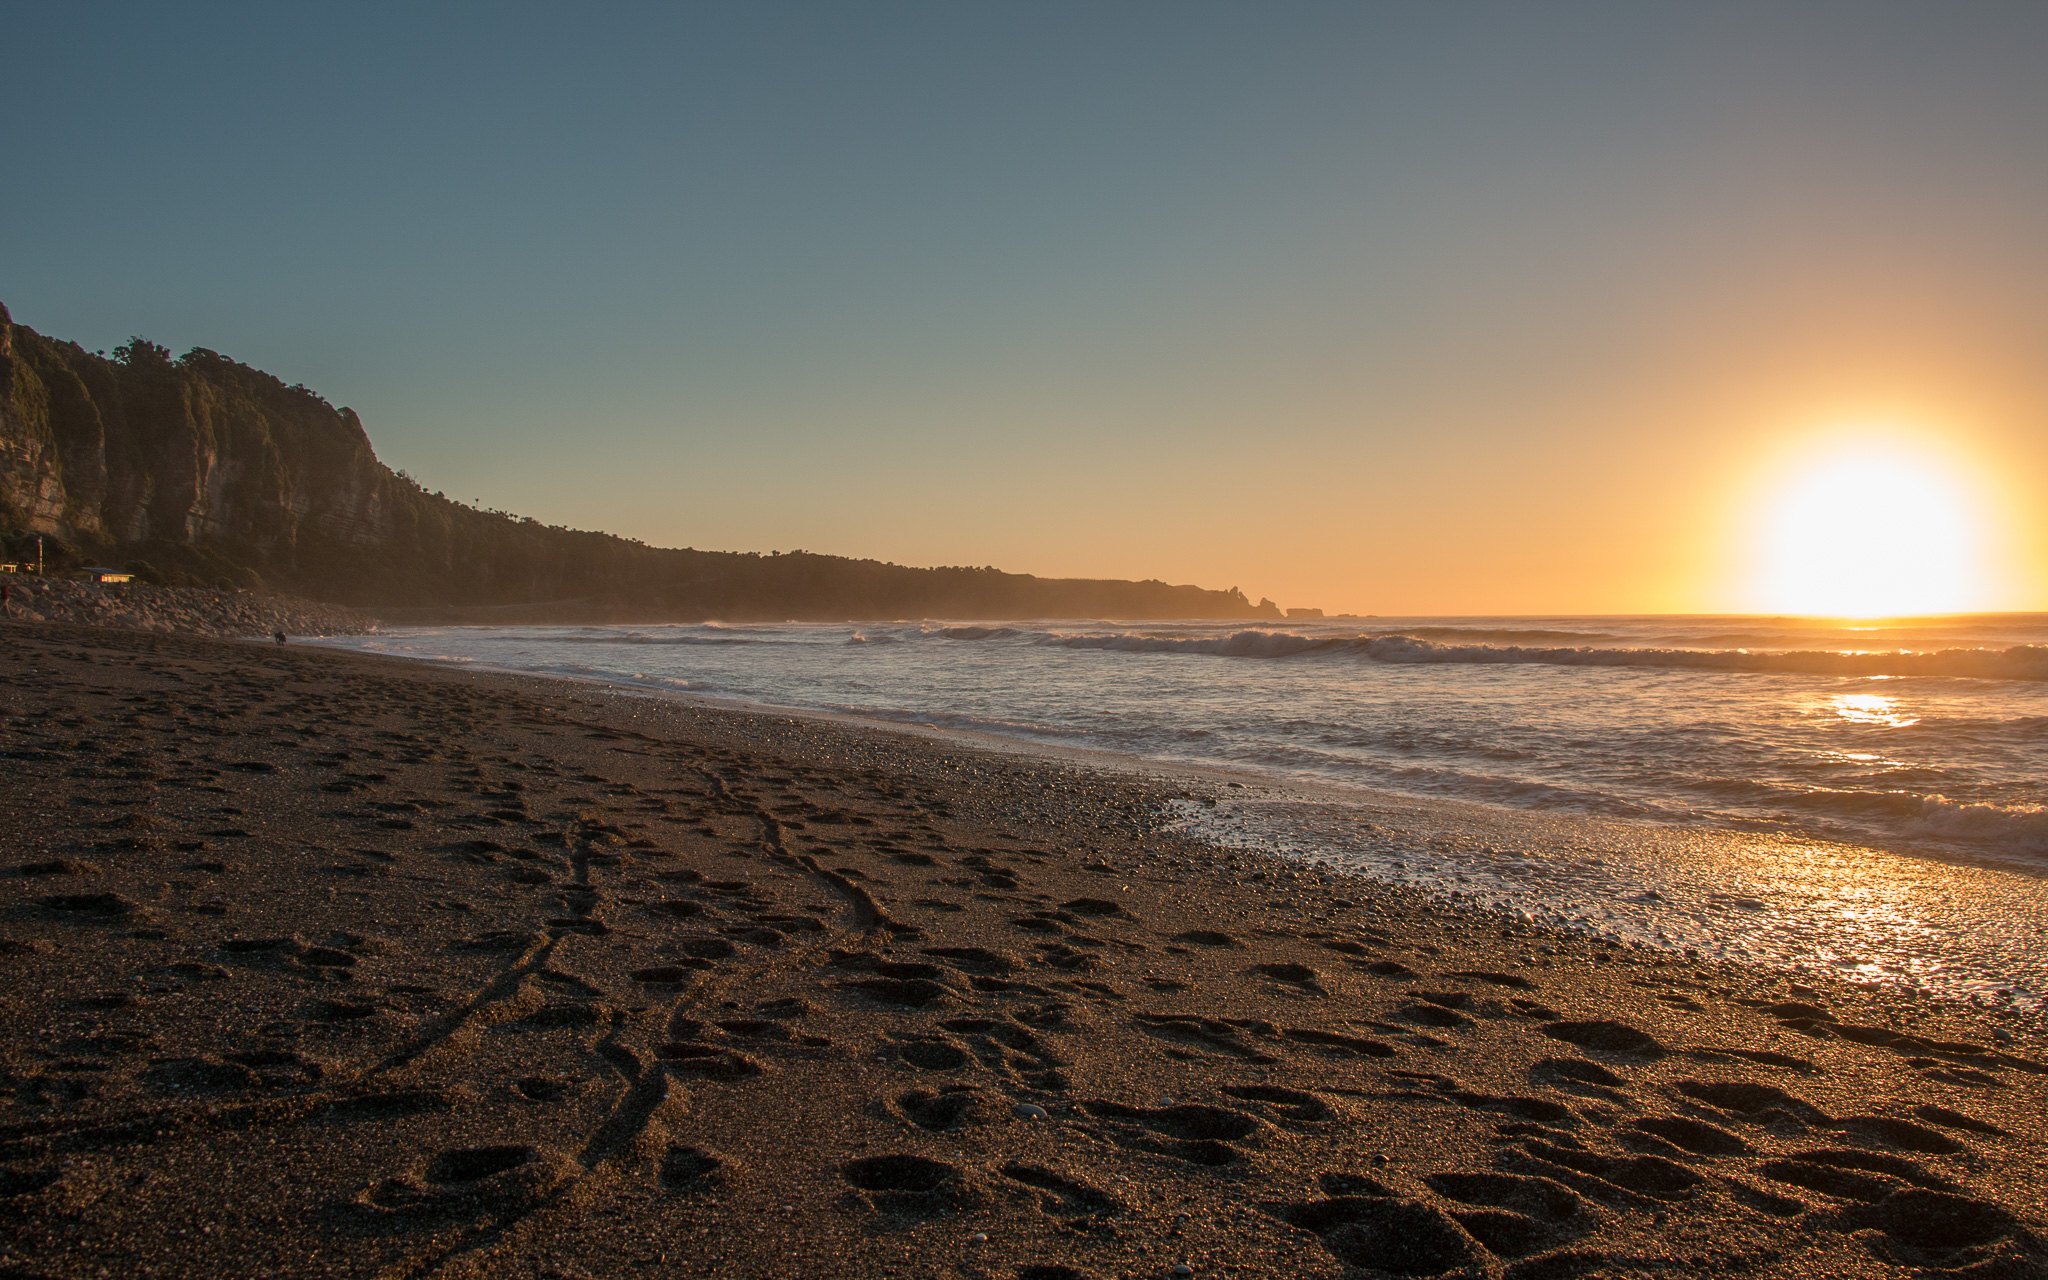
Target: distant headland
(198,470)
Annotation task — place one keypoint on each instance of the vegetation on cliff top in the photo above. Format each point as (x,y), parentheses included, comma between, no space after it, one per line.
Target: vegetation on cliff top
(201,470)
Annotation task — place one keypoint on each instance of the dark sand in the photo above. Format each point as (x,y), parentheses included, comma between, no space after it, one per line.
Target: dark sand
(319,964)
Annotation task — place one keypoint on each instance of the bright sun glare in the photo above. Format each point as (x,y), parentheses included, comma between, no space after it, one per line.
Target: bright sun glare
(1872,531)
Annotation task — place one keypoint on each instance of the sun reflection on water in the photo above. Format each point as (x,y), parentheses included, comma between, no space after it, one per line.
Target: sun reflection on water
(1861,913)
(1871,708)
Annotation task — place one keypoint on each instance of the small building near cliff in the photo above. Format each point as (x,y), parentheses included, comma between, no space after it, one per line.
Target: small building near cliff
(100,573)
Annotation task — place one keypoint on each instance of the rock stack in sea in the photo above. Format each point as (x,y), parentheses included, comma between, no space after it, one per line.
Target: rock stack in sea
(186,610)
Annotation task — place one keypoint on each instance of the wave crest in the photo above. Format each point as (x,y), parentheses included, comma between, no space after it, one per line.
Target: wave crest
(2021,662)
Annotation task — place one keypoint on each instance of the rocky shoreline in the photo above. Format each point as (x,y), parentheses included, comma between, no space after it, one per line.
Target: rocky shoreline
(181,610)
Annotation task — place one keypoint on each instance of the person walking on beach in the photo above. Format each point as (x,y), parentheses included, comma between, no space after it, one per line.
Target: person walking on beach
(280,637)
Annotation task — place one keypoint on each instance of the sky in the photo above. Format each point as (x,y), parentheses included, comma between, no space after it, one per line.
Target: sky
(1382,308)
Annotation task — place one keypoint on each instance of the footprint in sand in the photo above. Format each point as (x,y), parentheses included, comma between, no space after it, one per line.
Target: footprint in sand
(948,1109)
(1429,1014)
(1097,908)
(198,1075)
(1903,1134)
(56,867)
(1576,1071)
(1406,1237)
(1515,981)
(468,1180)
(563,1016)
(89,906)
(1513,1215)
(1957,1120)
(542,1088)
(910,1186)
(1065,1196)
(976,960)
(396,1105)
(1606,1036)
(1295,975)
(935,1054)
(687,1168)
(708,1062)
(1338,1042)
(703,948)
(1748,1100)
(1937,1224)
(1289,1104)
(1617,1177)
(1199,1134)
(1695,1136)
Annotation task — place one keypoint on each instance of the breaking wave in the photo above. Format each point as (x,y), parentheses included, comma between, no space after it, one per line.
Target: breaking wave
(641,638)
(2021,662)
(2018,829)
(1498,635)
(718,638)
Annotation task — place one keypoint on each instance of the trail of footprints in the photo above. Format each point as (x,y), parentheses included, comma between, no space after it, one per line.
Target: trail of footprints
(809,933)
(1561,1174)
(1557,1179)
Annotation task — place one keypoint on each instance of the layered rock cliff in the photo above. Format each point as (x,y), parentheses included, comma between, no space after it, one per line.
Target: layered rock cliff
(213,472)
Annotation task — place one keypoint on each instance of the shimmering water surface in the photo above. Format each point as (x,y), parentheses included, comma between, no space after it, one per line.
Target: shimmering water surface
(1873,797)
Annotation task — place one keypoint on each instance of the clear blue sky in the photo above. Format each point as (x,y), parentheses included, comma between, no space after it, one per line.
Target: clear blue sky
(1383,307)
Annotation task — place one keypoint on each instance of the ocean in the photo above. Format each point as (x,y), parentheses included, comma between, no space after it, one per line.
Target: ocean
(1866,798)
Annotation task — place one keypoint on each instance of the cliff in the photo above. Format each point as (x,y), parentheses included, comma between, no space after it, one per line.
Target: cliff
(209,472)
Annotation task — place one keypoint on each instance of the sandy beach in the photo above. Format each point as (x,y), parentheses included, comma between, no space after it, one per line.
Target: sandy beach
(321,964)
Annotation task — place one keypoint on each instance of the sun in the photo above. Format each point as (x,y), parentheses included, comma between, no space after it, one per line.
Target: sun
(1872,527)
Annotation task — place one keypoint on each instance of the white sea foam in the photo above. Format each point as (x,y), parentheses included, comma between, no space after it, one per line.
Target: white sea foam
(2020,829)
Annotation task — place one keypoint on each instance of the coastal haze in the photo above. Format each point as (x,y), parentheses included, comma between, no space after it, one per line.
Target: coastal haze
(1064,643)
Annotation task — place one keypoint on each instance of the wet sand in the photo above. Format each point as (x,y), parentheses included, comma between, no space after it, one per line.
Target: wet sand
(320,964)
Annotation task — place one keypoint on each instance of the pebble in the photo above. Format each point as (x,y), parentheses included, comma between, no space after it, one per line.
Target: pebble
(1183,1270)
(979,1237)
(1029,1111)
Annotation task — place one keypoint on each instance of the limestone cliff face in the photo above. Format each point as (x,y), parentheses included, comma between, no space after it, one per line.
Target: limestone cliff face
(141,449)
(31,473)
(214,471)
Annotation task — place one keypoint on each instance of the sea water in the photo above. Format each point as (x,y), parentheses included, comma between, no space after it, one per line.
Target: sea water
(1870,797)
